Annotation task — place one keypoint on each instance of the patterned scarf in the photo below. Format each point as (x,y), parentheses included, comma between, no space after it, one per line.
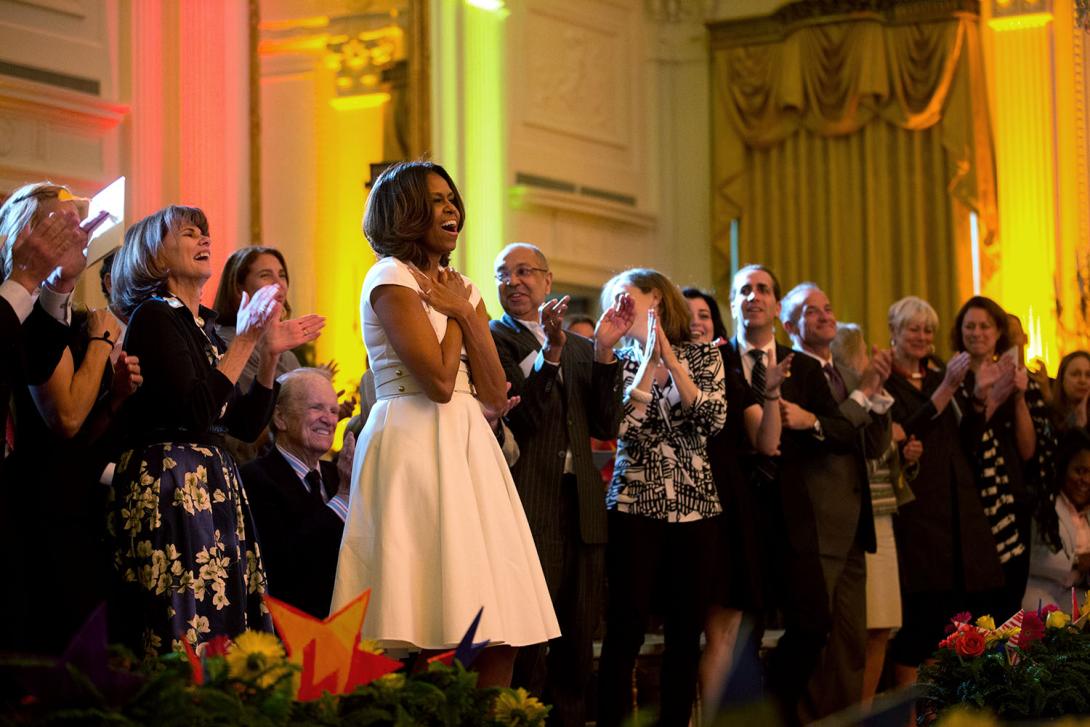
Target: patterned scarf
(994,483)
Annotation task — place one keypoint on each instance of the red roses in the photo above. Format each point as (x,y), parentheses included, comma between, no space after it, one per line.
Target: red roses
(969,643)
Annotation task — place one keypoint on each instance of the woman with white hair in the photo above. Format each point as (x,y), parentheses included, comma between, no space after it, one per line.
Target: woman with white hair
(945,547)
(183,536)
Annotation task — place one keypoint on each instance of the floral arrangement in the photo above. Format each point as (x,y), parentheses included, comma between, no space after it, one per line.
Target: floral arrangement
(251,682)
(322,673)
(1036,665)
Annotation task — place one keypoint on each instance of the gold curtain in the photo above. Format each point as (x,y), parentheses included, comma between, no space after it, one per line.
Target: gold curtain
(851,152)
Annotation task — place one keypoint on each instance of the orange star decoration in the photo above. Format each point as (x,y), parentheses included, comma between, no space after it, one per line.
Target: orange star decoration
(329,652)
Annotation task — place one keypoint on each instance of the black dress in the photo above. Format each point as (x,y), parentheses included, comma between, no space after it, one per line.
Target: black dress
(945,549)
(184,545)
(729,450)
(61,507)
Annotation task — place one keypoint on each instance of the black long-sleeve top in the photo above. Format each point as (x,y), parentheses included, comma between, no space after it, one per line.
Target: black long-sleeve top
(184,397)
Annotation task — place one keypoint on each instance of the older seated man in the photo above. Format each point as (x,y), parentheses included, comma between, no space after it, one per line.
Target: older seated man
(300,501)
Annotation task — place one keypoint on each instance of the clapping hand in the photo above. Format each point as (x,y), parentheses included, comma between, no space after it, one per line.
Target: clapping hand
(666,351)
(1039,374)
(775,376)
(551,315)
(912,450)
(126,378)
(74,259)
(650,354)
(281,336)
(956,369)
(615,322)
(347,407)
(41,248)
(877,371)
(255,314)
(495,416)
(332,367)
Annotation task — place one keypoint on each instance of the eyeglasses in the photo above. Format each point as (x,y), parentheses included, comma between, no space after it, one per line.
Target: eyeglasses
(521,272)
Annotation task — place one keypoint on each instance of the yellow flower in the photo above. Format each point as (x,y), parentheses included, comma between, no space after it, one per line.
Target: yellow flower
(1057,620)
(393,680)
(986,622)
(371,647)
(515,707)
(256,657)
(964,717)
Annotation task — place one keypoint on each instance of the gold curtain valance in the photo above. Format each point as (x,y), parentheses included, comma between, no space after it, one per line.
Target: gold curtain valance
(834,76)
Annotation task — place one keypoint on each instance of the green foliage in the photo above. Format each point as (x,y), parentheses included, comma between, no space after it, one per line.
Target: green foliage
(1050,679)
(443,695)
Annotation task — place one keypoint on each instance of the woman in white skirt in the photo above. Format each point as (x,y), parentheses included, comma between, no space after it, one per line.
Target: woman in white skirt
(435,528)
(888,490)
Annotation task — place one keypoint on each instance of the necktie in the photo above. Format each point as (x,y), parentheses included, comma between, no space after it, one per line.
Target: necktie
(764,468)
(757,376)
(840,391)
(314,480)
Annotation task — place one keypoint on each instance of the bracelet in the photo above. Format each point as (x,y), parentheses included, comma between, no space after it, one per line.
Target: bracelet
(104,339)
(644,397)
(772,398)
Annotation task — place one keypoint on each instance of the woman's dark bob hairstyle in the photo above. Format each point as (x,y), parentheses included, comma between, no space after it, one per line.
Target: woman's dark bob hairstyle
(995,312)
(399,211)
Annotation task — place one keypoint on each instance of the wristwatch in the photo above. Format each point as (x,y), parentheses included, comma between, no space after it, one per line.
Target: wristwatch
(816,428)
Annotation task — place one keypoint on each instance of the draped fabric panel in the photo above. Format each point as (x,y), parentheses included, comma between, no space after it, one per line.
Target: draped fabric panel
(852,153)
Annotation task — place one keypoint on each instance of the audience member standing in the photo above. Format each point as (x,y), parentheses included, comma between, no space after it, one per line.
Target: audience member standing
(183,536)
(247,270)
(946,551)
(46,596)
(299,500)
(888,488)
(753,426)
(797,582)
(1002,438)
(840,493)
(1060,556)
(707,322)
(570,391)
(664,508)
(1071,392)
(435,526)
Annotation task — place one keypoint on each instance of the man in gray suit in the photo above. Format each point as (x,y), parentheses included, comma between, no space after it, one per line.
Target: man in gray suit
(840,493)
(570,391)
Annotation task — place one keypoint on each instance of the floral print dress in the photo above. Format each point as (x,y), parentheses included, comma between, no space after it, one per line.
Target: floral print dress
(184,544)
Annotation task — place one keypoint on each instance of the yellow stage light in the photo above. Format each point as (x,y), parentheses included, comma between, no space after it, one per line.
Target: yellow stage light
(359,101)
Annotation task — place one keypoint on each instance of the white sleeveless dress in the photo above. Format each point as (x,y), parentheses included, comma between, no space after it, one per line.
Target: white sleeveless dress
(435,526)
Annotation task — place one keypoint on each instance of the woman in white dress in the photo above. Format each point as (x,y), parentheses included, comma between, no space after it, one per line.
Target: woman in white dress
(435,526)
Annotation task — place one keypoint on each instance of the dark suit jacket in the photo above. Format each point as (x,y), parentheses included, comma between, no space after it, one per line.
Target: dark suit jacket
(839,485)
(553,416)
(790,519)
(299,538)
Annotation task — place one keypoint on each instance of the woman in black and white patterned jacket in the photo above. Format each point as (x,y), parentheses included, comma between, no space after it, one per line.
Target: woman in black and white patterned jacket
(662,502)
